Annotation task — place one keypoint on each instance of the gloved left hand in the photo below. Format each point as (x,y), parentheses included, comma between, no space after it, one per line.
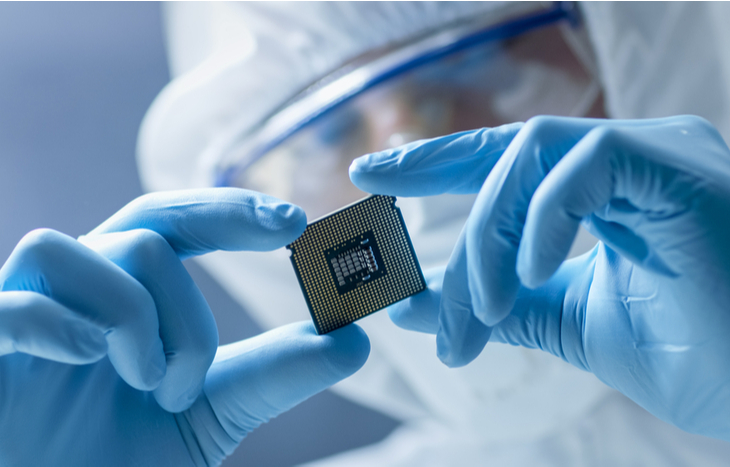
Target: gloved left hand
(646,311)
(106,343)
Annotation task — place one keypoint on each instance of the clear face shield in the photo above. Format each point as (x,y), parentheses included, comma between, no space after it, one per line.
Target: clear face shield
(481,73)
(490,70)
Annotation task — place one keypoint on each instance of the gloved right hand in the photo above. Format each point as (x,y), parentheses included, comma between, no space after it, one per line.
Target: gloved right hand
(106,343)
(646,311)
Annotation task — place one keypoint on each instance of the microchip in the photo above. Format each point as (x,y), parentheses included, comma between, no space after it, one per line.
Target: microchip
(356,261)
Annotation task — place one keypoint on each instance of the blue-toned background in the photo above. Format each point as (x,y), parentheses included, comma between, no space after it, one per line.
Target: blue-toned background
(75,81)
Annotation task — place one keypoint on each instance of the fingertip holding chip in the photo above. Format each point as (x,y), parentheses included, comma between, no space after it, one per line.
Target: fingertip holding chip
(356,261)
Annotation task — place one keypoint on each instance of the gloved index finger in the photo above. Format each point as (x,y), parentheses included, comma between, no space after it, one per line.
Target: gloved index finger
(195,222)
(456,164)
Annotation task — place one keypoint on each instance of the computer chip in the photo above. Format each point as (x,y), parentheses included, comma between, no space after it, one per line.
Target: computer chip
(356,261)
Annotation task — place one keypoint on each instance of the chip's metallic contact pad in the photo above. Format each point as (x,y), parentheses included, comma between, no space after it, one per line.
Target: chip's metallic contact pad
(356,261)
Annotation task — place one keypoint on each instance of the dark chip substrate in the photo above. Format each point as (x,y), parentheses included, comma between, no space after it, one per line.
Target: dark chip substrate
(356,261)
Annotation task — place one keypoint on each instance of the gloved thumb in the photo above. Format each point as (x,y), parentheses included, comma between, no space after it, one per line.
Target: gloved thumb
(549,318)
(253,381)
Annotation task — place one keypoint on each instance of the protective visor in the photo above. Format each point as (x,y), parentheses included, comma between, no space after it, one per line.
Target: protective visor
(481,73)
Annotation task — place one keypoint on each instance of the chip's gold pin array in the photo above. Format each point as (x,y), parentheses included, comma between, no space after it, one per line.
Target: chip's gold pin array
(356,261)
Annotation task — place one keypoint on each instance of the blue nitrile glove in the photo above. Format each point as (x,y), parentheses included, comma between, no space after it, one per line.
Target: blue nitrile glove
(647,311)
(105,337)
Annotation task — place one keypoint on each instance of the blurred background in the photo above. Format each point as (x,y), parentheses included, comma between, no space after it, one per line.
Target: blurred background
(75,82)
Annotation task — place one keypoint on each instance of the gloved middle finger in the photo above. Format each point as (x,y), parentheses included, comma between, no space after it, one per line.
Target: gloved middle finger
(187,327)
(494,228)
(461,336)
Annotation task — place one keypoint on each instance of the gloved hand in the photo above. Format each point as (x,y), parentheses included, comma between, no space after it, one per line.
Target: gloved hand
(105,337)
(646,311)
